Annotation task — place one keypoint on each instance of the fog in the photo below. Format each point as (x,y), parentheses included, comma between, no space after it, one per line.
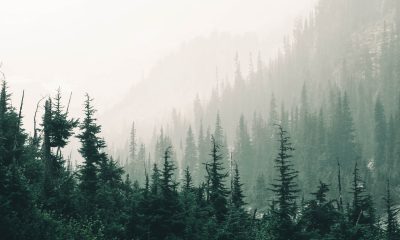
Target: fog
(216,119)
(106,47)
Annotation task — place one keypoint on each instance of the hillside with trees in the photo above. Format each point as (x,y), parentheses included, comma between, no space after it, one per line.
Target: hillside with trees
(335,89)
(306,146)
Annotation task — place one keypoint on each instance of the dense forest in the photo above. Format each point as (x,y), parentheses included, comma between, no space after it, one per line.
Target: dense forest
(304,147)
(43,198)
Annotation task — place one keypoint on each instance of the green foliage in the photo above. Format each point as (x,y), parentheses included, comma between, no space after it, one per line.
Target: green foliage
(244,151)
(392,225)
(190,154)
(285,189)
(319,215)
(91,151)
(217,191)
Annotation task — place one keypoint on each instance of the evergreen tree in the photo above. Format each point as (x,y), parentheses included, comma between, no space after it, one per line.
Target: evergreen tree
(190,154)
(59,185)
(237,223)
(218,131)
(18,217)
(61,125)
(361,212)
(150,206)
(392,226)
(189,204)
(188,182)
(380,134)
(112,204)
(203,148)
(163,141)
(12,141)
(138,168)
(171,222)
(216,177)
(50,161)
(244,151)
(155,180)
(236,191)
(342,143)
(92,151)
(132,144)
(285,189)
(260,193)
(358,197)
(319,214)
(220,139)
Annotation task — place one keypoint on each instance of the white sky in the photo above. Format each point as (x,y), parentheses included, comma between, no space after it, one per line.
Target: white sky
(103,47)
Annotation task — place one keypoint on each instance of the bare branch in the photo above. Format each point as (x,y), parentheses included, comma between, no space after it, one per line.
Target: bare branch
(18,126)
(69,102)
(34,120)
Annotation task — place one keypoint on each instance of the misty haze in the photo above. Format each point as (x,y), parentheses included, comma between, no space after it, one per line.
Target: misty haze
(186,120)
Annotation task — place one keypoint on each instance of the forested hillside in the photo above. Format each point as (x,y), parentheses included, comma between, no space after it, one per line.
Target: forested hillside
(335,87)
(306,146)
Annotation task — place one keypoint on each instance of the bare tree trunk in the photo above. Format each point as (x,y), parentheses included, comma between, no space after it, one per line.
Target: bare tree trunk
(35,137)
(18,126)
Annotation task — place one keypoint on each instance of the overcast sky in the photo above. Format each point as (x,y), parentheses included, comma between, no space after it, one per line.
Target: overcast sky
(103,47)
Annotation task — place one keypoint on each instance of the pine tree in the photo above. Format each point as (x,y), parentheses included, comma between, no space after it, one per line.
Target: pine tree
(203,148)
(190,154)
(168,184)
(392,226)
(92,153)
(141,156)
(171,224)
(155,180)
(220,139)
(111,201)
(260,192)
(138,168)
(19,218)
(236,191)
(12,139)
(319,214)
(198,113)
(273,114)
(362,212)
(132,144)
(190,208)
(216,178)
(47,129)
(380,134)
(219,131)
(150,206)
(244,151)
(342,142)
(285,189)
(59,185)
(237,223)
(357,191)
(51,163)
(61,125)
(188,182)
(163,141)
